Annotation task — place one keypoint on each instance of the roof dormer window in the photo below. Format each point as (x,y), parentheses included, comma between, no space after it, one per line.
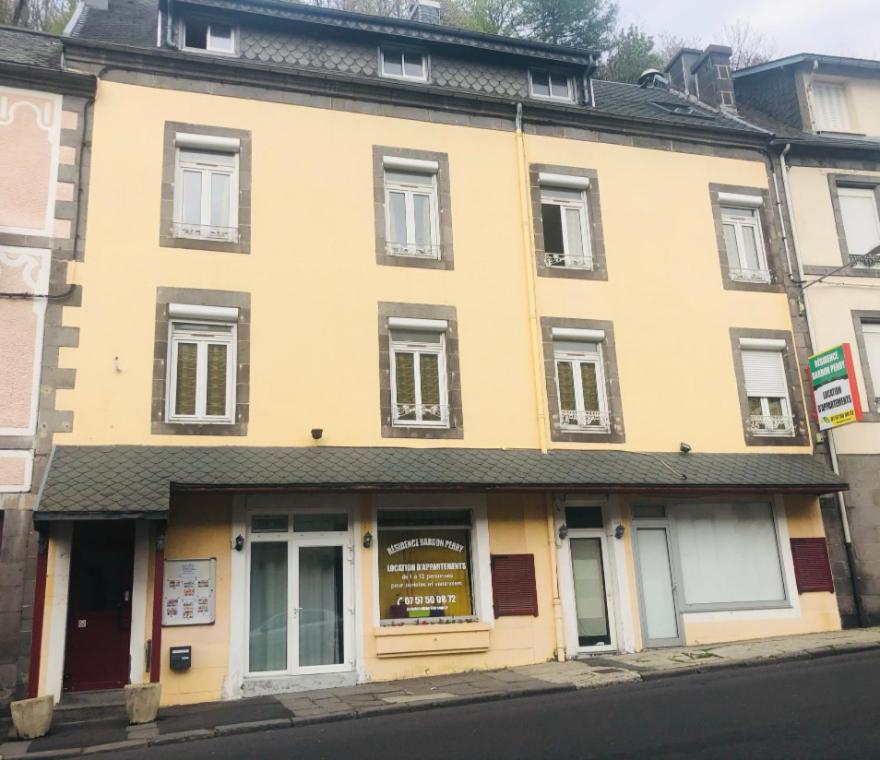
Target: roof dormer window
(550,85)
(830,111)
(208,36)
(404,64)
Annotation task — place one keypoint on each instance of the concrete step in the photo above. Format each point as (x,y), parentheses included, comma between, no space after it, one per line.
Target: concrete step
(82,706)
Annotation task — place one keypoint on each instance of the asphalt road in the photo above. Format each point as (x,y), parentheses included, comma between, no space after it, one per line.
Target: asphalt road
(828,708)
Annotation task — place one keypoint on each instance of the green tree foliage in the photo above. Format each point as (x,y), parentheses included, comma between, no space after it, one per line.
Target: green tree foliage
(580,23)
(631,53)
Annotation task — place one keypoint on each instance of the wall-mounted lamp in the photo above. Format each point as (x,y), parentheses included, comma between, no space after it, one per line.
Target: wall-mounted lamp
(368,540)
(563,532)
(684,448)
(317,433)
(619,531)
(238,544)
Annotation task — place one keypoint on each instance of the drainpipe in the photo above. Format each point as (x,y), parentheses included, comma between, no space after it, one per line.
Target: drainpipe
(829,435)
(526,238)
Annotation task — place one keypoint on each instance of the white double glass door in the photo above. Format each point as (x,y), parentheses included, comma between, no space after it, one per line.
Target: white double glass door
(300,610)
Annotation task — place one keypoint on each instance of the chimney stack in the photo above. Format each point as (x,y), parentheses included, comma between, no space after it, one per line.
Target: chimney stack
(427,11)
(712,81)
(678,70)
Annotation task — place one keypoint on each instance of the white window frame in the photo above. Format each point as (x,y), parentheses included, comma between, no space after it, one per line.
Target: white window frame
(208,36)
(870,327)
(417,349)
(202,338)
(787,416)
(568,260)
(383,51)
(206,168)
(410,248)
(294,541)
(745,274)
(580,415)
(568,98)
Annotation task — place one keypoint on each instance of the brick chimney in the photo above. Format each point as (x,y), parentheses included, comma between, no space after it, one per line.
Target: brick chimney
(711,78)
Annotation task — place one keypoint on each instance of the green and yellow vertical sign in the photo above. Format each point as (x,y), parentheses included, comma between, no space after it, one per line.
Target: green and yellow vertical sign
(833,382)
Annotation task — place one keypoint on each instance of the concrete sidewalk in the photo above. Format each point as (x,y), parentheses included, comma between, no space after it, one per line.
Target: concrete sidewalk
(109,731)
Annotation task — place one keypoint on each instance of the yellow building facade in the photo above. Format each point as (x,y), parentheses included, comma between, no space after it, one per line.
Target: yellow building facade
(316,537)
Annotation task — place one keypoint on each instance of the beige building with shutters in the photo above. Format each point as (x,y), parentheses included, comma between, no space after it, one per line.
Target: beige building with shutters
(414,351)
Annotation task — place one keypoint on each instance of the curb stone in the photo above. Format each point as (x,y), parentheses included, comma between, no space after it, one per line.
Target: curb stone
(249,727)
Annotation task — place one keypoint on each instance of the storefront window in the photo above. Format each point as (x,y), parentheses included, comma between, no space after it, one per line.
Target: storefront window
(424,565)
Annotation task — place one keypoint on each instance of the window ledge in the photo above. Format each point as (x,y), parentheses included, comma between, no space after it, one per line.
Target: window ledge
(421,640)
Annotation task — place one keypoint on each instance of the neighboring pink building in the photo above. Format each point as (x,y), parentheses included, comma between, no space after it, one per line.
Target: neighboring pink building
(43,138)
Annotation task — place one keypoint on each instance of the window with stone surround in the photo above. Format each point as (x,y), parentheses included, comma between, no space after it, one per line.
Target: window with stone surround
(866,325)
(770,395)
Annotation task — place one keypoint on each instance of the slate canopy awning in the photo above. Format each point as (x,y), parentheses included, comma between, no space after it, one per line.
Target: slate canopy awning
(140,481)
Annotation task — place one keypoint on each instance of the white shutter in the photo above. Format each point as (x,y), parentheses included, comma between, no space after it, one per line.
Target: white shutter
(764,374)
(871,332)
(861,219)
(829,107)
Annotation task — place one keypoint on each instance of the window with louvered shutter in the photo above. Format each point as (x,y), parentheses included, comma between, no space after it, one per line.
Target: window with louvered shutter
(812,570)
(829,107)
(514,589)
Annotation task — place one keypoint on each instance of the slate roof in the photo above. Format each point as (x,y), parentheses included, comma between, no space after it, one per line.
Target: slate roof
(630,100)
(126,22)
(140,479)
(29,48)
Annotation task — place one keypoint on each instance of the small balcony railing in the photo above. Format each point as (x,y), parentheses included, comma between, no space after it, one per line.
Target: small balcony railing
(204,232)
(568,262)
(771,424)
(571,419)
(413,251)
(414,415)
(749,275)
(870,260)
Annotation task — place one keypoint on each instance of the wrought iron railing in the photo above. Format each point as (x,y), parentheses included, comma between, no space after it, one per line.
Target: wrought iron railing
(412,250)
(420,414)
(204,232)
(568,262)
(749,275)
(771,424)
(590,420)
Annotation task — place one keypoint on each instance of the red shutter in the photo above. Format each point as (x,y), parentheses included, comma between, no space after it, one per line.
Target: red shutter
(513,584)
(812,570)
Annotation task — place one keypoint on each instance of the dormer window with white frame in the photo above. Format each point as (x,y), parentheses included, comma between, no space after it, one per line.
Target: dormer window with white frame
(766,387)
(829,106)
(565,220)
(201,364)
(743,237)
(412,216)
(399,63)
(551,85)
(203,36)
(419,394)
(580,380)
(206,187)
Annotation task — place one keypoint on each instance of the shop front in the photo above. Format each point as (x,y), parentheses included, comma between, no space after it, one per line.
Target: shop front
(200,573)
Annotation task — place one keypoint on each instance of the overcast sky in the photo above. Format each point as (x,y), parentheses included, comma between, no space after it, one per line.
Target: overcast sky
(835,27)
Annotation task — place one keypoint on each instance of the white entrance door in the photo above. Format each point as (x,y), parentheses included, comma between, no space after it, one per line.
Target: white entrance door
(660,620)
(299,594)
(589,570)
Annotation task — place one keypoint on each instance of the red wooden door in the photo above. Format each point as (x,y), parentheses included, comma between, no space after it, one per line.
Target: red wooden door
(99,606)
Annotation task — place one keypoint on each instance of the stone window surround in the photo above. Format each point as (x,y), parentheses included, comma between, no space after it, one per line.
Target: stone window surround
(594,211)
(769,232)
(612,381)
(835,181)
(801,435)
(444,209)
(166,214)
(239,300)
(453,372)
(871,413)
